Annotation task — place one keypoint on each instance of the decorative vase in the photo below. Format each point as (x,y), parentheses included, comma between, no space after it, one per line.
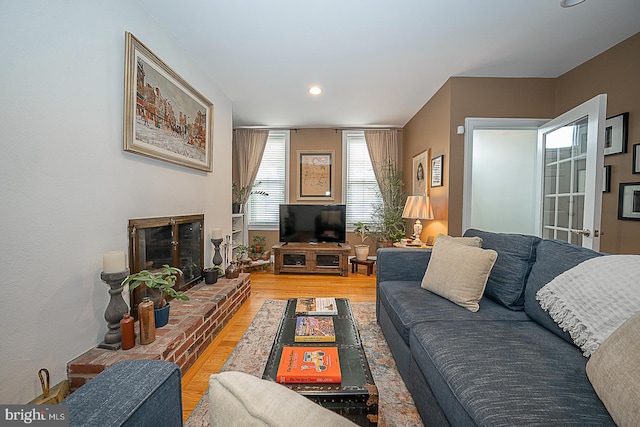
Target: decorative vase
(146,322)
(362,252)
(210,276)
(236,208)
(128,332)
(161,316)
(232,271)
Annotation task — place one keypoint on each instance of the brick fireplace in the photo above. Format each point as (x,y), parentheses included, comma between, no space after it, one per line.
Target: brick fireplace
(192,326)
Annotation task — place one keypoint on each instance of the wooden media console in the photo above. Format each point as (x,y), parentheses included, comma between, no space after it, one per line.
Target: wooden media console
(322,258)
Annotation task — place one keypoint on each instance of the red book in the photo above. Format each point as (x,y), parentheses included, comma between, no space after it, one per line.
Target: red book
(309,365)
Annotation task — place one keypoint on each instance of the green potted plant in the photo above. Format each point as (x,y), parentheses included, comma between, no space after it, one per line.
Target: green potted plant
(163,281)
(211,274)
(258,243)
(362,250)
(240,195)
(387,223)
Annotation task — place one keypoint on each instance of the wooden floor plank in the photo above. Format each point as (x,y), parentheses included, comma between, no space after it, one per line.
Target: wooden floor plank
(264,286)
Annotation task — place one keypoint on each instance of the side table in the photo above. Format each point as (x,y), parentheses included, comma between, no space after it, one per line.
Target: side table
(369,262)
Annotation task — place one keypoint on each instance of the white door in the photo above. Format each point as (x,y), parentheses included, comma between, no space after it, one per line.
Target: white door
(570,152)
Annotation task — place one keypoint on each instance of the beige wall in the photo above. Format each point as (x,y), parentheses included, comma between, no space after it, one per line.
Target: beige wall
(615,72)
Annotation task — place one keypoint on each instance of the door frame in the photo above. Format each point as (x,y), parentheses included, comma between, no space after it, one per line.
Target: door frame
(476,123)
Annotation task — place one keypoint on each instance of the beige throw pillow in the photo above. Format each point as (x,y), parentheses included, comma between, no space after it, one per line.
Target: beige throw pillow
(459,272)
(614,372)
(239,399)
(474,241)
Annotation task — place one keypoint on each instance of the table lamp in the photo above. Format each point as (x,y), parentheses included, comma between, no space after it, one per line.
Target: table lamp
(417,207)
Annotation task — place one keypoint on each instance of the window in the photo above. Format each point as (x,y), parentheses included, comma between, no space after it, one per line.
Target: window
(263,211)
(361,188)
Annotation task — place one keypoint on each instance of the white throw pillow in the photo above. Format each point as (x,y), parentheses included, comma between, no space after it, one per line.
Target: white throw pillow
(239,399)
(459,272)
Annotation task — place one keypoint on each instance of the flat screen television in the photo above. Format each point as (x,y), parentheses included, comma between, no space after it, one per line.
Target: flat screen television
(313,223)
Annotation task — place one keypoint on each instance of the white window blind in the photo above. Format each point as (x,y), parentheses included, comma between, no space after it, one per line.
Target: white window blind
(263,211)
(361,190)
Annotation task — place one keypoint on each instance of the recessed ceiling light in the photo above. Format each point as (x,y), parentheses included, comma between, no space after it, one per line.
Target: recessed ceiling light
(315,90)
(569,3)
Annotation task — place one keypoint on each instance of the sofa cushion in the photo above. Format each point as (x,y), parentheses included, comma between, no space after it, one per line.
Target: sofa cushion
(458,271)
(126,394)
(516,255)
(408,304)
(553,257)
(594,298)
(240,399)
(614,372)
(505,373)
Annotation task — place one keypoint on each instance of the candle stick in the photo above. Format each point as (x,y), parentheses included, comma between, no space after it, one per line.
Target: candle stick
(113,262)
(216,233)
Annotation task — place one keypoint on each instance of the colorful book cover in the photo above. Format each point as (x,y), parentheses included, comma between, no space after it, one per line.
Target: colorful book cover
(317,306)
(309,365)
(315,329)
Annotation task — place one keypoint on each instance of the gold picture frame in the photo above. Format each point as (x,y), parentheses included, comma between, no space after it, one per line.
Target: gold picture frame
(164,117)
(316,175)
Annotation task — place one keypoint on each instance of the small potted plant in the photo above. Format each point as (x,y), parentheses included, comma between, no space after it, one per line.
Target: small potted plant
(163,281)
(362,250)
(258,243)
(240,195)
(211,274)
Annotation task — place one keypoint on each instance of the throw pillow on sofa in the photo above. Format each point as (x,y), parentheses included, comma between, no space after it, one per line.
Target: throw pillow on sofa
(458,272)
(592,299)
(236,398)
(614,372)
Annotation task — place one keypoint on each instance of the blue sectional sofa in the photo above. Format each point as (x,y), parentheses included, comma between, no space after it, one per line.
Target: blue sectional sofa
(508,364)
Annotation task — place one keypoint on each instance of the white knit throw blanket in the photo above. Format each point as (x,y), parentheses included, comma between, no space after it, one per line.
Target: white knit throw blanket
(594,298)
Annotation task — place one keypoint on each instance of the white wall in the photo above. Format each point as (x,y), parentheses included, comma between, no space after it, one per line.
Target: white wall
(67,187)
(503,181)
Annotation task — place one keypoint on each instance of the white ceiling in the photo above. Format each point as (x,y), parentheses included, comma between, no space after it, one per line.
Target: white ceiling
(378,61)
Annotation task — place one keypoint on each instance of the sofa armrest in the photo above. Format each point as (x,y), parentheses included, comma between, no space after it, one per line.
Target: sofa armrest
(401,264)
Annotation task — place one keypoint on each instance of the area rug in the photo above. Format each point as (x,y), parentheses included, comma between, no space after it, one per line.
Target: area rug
(396,407)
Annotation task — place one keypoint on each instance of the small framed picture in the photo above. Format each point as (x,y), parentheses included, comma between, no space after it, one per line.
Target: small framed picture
(420,173)
(636,158)
(436,171)
(606,179)
(629,201)
(615,134)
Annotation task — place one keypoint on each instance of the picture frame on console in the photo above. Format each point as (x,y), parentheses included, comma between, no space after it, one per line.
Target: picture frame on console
(420,171)
(164,117)
(615,134)
(315,175)
(629,201)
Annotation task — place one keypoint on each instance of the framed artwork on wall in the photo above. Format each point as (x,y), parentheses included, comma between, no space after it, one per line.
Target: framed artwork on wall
(436,171)
(606,179)
(420,171)
(629,201)
(636,158)
(164,117)
(315,175)
(615,134)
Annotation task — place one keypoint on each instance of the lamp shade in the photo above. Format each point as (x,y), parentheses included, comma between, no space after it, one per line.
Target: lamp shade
(417,207)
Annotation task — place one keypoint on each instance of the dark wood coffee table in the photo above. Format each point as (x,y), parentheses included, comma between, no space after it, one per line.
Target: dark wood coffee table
(356,398)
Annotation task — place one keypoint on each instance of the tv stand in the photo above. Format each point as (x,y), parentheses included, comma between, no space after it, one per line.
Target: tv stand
(318,258)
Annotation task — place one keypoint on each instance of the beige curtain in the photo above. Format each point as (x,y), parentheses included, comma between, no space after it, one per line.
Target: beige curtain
(383,151)
(249,146)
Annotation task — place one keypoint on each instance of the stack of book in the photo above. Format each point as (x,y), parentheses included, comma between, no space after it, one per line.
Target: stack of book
(312,364)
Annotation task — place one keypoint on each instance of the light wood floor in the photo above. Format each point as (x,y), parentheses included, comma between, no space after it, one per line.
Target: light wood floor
(265,285)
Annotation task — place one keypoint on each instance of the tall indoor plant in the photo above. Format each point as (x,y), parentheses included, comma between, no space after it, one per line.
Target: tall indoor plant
(163,281)
(387,222)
